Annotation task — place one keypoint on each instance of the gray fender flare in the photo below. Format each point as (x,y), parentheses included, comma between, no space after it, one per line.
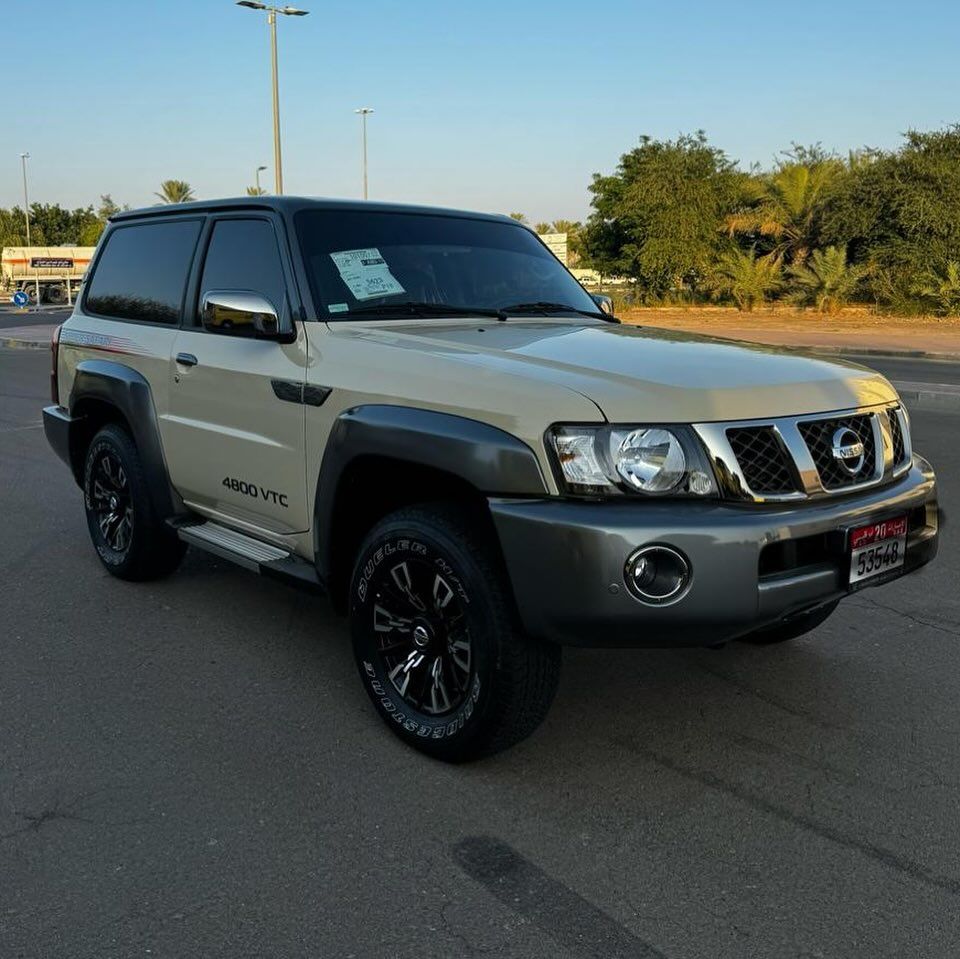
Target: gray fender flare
(491,460)
(129,392)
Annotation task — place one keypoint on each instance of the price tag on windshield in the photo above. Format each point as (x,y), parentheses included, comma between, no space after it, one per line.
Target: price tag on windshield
(366,274)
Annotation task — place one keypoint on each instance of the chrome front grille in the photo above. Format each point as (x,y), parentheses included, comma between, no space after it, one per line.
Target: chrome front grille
(896,435)
(821,437)
(763,458)
(804,457)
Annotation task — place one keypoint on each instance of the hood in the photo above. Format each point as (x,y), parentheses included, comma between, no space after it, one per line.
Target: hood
(645,374)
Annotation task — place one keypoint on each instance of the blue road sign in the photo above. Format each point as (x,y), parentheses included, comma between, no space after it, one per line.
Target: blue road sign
(20,298)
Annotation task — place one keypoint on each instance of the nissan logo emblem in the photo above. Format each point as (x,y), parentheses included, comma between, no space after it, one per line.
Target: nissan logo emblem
(848,450)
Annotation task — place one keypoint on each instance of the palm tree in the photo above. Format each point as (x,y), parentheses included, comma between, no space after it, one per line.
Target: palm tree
(543,228)
(827,281)
(175,191)
(940,289)
(256,191)
(570,227)
(519,217)
(785,207)
(747,278)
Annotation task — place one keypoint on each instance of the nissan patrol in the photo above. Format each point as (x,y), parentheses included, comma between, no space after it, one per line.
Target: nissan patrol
(422,413)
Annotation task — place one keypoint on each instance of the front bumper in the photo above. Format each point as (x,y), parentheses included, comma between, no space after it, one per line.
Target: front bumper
(752,566)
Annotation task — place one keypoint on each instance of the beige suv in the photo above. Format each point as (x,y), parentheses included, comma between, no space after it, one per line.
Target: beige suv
(422,413)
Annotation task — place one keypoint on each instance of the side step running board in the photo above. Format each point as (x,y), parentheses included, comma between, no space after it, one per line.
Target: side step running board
(246,551)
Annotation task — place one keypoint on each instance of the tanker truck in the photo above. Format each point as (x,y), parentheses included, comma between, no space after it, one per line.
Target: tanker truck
(49,274)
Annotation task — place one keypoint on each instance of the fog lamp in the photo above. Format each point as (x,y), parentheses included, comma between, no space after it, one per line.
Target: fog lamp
(657,574)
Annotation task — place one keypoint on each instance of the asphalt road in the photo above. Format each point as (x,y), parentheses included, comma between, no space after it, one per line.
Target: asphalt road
(910,370)
(11,317)
(190,768)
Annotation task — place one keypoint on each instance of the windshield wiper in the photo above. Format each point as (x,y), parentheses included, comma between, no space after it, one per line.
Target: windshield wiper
(541,306)
(415,308)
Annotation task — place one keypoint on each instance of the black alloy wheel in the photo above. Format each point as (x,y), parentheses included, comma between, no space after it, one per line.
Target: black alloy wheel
(112,504)
(437,638)
(423,637)
(131,540)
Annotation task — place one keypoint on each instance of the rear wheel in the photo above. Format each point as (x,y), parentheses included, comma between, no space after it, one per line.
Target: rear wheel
(131,541)
(436,639)
(792,628)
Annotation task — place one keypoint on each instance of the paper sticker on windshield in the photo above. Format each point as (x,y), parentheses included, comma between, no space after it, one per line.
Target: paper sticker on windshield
(366,274)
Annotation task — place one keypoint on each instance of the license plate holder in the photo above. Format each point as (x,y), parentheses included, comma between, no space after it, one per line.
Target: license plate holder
(876,550)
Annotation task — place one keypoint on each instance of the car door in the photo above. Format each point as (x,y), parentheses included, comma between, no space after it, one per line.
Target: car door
(235,431)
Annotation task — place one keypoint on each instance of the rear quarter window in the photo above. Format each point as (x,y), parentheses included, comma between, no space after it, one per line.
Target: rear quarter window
(142,273)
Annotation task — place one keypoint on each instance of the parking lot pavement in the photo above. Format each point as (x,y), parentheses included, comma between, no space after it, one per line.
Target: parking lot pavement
(191,768)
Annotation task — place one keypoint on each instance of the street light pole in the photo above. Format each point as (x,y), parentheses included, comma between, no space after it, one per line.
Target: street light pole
(26,201)
(364,113)
(272,22)
(277,160)
(257,177)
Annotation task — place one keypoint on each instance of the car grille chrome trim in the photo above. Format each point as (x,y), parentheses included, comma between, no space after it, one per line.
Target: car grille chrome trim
(791,458)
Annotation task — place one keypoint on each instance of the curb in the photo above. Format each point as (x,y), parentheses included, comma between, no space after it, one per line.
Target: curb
(889,354)
(932,397)
(12,343)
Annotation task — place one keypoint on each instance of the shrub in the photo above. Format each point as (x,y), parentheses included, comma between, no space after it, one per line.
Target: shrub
(939,289)
(749,280)
(827,281)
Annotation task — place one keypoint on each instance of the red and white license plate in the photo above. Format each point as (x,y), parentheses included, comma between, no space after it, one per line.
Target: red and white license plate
(877,549)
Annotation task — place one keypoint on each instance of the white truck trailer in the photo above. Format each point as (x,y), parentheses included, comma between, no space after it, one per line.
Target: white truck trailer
(49,274)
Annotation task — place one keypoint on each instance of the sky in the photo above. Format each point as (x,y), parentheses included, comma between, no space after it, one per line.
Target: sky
(497,106)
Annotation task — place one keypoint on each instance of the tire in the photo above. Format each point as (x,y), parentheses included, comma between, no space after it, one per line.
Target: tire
(437,641)
(131,540)
(792,628)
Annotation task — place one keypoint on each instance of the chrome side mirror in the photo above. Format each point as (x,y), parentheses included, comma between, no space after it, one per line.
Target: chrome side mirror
(242,313)
(604,302)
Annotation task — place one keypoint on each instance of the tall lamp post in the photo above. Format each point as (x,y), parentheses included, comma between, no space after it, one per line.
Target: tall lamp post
(272,12)
(364,113)
(26,201)
(257,177)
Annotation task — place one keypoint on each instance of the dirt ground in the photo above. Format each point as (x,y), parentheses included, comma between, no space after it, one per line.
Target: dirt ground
(850,329)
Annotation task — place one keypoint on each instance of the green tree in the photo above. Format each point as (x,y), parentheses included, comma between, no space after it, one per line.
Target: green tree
(901,210)
(90,234)
(784,212)
(256,191)
(657,219)
(519,217)
(826,281)
(749,280)
(107,207)
(175,191)
(542,228)
(570,227)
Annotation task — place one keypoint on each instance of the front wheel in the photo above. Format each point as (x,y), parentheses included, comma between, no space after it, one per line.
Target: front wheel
(436,639)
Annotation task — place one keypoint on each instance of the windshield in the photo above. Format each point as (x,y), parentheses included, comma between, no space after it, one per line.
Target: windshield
(360,261)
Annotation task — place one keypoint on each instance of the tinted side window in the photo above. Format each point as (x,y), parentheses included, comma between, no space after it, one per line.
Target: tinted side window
(142,271)
(243,255)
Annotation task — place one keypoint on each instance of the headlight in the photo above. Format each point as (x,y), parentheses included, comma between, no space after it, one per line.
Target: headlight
(653,460)
(650,460)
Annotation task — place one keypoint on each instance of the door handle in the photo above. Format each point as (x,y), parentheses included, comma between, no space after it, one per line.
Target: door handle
(186,359)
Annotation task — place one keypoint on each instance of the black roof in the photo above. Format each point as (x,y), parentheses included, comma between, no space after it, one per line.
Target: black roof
(293,204)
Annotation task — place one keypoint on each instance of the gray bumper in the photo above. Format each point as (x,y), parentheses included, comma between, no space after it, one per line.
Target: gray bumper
(752,566)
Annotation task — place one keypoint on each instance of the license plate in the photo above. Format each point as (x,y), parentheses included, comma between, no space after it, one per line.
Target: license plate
(877,549)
